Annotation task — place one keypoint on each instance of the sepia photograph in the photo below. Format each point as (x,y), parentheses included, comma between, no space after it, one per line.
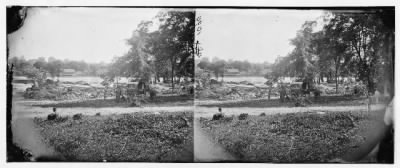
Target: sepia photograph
(294,85)
(90,84)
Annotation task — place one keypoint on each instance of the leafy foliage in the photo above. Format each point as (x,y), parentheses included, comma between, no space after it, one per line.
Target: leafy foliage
(350,44)
(218,66)
(165,52)
(306,137)
(53,66)
(126,137)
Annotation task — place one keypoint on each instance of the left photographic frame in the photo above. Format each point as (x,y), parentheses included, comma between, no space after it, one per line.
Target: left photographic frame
(100,84)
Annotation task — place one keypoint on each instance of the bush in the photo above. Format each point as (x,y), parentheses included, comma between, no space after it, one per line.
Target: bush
(360,90)
(317,93)
(77,116)
(218,116)
(60,119)
(302,102)
(228,119)
(52,116)
(153,94)
(157,137)
(243,116)
(98,114)
(262,114)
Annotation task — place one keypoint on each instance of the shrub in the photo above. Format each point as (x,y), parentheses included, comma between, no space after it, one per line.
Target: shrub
(228,119)
(153,94)
(60,119)
(52,116)
(262,114)
(317,93)
(77,116)
(243,116)
(218,116)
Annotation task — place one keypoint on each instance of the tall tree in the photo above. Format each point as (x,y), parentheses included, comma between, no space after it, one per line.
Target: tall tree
(173,42)
(362,32)
(331,49)
(302,59)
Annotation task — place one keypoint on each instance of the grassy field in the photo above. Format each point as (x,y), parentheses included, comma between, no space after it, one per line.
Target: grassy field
(158,101)
(321,101)
(140,137)
(303,137)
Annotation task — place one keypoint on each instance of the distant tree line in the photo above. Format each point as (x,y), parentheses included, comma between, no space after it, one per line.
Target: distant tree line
(217,66)
(33,67)
(353,44)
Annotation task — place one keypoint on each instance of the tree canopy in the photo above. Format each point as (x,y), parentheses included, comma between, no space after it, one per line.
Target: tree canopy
(167,52)
(352,44)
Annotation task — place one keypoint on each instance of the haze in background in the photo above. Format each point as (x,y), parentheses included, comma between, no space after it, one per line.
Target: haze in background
(256,35)
(89,34)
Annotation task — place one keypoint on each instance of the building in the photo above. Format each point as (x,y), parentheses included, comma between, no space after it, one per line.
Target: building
(68,72)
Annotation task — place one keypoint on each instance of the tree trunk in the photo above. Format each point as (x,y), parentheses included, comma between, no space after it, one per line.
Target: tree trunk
(172,78)
(336,78)
(370,81)
(172,72)
(269,92)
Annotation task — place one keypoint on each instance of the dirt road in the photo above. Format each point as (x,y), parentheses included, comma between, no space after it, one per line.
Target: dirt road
(209,111)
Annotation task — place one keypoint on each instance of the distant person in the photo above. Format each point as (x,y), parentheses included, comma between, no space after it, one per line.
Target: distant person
(141,87)
(282,93)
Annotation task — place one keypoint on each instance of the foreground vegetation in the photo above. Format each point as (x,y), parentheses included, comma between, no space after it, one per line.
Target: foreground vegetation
(163,137)
(304,137)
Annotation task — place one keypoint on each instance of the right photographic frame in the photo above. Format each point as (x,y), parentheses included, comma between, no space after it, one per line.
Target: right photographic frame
(294,85)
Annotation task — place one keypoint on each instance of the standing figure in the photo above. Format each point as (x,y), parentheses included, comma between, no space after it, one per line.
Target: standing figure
(105,93)
(282,94)
(118,93)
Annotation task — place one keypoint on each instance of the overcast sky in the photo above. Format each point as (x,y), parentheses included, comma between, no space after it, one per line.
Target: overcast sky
(99,34)
(256,35)
(89,34)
